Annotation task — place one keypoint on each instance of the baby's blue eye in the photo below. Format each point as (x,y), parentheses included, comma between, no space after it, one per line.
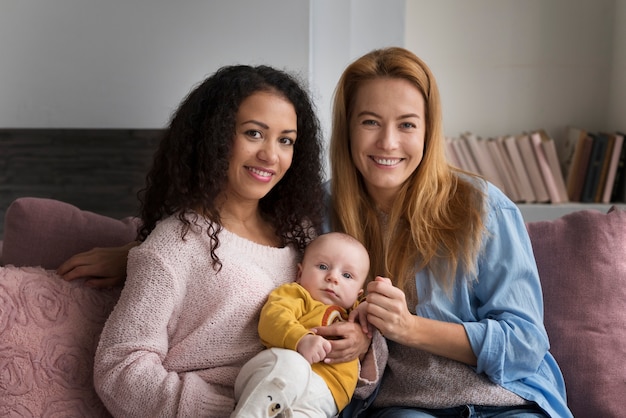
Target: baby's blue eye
(323,267)
(347,275)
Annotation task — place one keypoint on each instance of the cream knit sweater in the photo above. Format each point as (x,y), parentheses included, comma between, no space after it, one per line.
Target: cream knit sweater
(180,332)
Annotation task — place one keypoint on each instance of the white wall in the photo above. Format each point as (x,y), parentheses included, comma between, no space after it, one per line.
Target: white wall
(617,98)
(343,30)
(507,66)
(503,66)
(128,63)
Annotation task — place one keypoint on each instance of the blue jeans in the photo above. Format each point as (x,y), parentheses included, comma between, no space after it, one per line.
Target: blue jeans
(468,411)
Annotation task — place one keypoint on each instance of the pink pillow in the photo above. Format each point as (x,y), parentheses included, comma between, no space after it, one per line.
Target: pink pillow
(582,264)
(50,330)
(46,232)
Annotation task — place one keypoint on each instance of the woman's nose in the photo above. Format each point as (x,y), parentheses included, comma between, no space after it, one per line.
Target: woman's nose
(388,139)
(268,152)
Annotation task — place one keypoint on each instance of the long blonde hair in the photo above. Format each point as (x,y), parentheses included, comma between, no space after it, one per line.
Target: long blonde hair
(436,221)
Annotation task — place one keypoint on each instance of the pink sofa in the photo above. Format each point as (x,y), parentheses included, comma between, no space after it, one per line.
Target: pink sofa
(49,328)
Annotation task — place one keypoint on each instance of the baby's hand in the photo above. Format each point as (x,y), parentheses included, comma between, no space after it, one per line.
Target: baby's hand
(385,280)
(313,348)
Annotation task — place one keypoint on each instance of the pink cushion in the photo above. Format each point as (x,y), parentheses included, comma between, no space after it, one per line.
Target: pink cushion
(582,264)
(46,232)
(50,330)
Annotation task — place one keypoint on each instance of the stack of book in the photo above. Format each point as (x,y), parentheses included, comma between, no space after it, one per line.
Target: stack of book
(588,167)
(594,163)
(525,167)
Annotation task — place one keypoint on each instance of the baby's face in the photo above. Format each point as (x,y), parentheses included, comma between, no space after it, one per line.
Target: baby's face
(333,271)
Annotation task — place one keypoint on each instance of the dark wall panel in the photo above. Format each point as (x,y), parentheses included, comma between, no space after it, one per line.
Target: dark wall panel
(99,170)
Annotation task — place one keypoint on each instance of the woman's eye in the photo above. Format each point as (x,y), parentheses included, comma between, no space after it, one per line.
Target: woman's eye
(253,133)
(408,125)
(370,122)
(287,141)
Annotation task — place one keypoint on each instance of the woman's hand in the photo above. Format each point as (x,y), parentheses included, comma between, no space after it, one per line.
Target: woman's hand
(387,310)
(103,267)
(347,339)
(359,315)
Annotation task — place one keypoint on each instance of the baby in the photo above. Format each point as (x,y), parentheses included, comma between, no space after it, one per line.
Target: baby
(292,375)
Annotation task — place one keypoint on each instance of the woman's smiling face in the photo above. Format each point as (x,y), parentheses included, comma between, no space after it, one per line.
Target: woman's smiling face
(387,131)
(265,132)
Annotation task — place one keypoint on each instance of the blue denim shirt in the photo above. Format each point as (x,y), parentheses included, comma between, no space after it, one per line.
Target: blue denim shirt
(502,311)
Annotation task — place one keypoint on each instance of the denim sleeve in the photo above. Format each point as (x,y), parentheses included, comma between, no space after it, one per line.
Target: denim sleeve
(509,338)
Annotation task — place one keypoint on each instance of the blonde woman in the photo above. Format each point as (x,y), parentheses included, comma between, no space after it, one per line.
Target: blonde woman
(464,315)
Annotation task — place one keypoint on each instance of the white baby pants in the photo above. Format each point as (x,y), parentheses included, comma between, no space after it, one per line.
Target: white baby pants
(280,383)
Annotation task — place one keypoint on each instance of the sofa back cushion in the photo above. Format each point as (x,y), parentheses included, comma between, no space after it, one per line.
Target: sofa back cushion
(46,232)
(581,259)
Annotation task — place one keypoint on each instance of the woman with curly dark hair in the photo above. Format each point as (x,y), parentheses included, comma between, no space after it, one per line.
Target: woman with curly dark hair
(192,162)
(238,176)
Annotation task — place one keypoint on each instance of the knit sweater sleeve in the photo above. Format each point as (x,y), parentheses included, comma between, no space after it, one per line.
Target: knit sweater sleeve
(372,367)
(129,374)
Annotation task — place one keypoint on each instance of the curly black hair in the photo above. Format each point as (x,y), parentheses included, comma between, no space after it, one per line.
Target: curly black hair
(190,166)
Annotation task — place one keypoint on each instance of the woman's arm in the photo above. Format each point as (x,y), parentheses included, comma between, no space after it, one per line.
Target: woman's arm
(129,372)
(104,267)
(494,324)
(509,307)
(387,310)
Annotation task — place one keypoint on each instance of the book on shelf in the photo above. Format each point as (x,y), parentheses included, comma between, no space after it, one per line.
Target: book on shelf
(505,172)
(484,162)
(604,167)
(511,172)
(612,169)
(578,169)
(550,151)
(568,146)
(461,158)
(618,194)
(544,167)
(532,168)
(451,155)
(512,150)
(598,151)
(466,156)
